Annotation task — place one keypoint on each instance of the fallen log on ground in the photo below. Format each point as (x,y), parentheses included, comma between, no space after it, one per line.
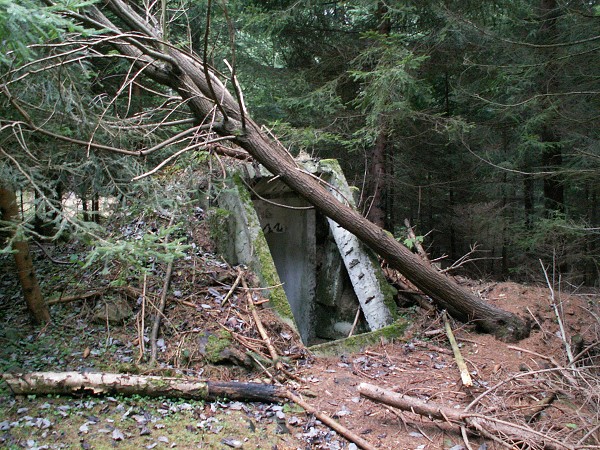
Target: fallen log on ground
(510,433)
(76,383)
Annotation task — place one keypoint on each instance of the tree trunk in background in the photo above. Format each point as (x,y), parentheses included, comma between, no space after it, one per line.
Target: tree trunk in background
(554,194)
(43,223)
(96,207)
(528,199)
(593,245)
(551,159)
(505,209)
(85,208)
(31,289)
(452,250)
(378,179)
(189,78)
(505,239)
(452,230)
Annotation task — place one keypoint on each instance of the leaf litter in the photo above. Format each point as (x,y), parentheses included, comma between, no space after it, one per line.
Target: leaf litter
(197,306)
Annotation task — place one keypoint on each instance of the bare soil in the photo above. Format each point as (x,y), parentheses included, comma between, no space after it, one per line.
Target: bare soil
(508,378)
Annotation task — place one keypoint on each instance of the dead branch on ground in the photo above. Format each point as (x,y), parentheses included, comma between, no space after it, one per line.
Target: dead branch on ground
(261,329)
(334,425)
(476,423)
(465,376)
(553,300)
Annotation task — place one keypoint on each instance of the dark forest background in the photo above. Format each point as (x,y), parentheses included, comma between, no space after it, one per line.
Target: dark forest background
(476,121)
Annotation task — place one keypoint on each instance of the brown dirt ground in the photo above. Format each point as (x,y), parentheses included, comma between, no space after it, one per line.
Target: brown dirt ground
(431,375)
(419,365)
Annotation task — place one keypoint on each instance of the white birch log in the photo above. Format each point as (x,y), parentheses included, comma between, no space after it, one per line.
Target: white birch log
(77,383)
(360,266)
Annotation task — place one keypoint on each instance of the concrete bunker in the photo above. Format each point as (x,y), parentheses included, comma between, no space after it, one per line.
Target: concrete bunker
(325,272)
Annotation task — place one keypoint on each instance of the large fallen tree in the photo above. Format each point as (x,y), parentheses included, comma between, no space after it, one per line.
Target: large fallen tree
(203,92)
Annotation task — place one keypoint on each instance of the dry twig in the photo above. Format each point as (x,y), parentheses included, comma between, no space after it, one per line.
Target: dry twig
(260,327)
(465,376)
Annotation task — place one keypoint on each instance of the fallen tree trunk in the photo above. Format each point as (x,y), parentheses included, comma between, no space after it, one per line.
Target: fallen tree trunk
(205,95)
(509,432)
(76,383)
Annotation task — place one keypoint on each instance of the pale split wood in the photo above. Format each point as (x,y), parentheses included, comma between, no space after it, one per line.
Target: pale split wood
(465,376)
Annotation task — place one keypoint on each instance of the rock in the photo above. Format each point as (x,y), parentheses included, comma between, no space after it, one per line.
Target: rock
(115,310)
(219,349)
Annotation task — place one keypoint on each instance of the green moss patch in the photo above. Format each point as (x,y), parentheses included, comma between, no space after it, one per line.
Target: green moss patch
(359,342)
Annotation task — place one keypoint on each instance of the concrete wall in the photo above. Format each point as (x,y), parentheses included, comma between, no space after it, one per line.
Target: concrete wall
(290,234)
(239,237)
(327,274)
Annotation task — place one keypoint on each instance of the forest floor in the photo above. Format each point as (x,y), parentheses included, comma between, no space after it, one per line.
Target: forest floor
(509,379)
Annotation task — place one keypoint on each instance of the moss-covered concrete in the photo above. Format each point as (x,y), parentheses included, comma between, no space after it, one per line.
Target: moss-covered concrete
(359,342)
(218,222)
(240,239)
(239,228)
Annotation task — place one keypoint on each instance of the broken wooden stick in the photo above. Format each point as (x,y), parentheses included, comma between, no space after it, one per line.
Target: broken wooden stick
(465,376)
(75,297)
(159,313)
(432,347)
(476,423)
(542,405)
(76,383)
(130,291)
(233,287)
(261,329)
(559,319)
(410,232)
(331,423)
(163,302)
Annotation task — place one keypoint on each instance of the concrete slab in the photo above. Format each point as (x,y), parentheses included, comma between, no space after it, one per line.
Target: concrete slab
(327,274)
